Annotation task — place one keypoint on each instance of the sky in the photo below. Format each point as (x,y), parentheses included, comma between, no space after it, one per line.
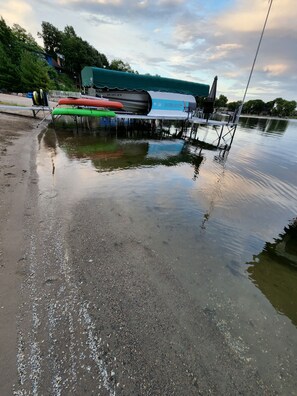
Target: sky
(191,40)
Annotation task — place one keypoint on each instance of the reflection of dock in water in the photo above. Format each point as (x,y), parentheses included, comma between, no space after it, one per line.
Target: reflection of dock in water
(109,154)
(274,272)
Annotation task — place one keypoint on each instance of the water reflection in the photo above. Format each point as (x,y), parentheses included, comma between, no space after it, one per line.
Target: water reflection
(253,123)
(276,126)
(236,203)
(50,141)
(264,125)
(108,154)
(274,272)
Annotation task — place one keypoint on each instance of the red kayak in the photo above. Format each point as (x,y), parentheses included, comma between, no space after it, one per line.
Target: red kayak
(91,102)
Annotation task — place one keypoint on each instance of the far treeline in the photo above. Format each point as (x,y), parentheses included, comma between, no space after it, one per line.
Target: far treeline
(278,107)
(26,66)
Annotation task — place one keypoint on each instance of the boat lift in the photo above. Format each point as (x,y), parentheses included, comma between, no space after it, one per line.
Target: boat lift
(224,137)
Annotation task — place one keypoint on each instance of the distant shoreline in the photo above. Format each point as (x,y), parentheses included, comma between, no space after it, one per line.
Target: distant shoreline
(267,117)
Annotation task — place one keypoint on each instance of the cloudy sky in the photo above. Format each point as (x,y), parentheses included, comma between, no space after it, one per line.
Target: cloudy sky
(192,40)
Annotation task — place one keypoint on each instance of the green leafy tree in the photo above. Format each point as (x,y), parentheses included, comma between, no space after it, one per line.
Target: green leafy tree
(33,72)
(269,106)
(291,107)
(221,101)
(10,50)
(52,38)
(79,53)
(25,39)
(283,108)
(148,74)
(118,64)
(232,106)
(254,106)
(9,72)
(60,81)
(22,67)
(9,41)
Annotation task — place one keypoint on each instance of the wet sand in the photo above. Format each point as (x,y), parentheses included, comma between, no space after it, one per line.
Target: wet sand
(88,306)
(18,134)
(16,141)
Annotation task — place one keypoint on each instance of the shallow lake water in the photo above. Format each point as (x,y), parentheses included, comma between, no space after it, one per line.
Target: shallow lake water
(225,221)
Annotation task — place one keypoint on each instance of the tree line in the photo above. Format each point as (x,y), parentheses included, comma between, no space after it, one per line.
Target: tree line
(23,65)
(278,107)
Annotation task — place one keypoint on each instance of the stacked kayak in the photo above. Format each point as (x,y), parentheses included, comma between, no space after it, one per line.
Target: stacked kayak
(86,107)
(85,112)
(91,103)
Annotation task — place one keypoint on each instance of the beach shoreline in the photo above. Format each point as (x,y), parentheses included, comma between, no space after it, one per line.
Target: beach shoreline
(17,133)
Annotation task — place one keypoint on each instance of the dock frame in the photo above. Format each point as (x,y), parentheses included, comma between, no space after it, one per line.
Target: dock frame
(224,137)
(35,109)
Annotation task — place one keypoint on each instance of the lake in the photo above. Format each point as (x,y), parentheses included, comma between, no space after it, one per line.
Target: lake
(226,222)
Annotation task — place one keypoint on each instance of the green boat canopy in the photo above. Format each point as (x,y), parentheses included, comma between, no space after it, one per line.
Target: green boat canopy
(111,79)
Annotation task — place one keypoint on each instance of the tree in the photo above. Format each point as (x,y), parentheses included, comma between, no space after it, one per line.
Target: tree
(10,50)
(9,41)
(51,37)
(26,39)
(232,106)
(69,31)
(221,101)
(118,64)
(9,72)
(151,75)
(291,107)
(33,72)
(283,108)
(269,106)
(79,53)
(254,106)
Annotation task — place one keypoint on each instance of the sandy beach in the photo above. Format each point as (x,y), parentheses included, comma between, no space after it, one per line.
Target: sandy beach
(16,133)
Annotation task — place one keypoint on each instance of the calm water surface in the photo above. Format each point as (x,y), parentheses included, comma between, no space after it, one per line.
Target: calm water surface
(226,222)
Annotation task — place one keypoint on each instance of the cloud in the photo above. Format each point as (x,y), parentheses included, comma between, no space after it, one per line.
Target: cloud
(223,50)
(96,2)
(231,59)
(16,11)
(124,10)
(249,15)
(97,20)
(276,69)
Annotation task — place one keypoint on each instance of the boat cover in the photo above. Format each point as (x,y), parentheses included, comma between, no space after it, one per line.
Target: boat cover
(112,79)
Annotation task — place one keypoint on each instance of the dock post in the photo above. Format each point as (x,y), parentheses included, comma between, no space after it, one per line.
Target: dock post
(232,137)
(220,137)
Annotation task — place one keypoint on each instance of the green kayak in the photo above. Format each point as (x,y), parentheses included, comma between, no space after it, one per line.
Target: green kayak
(83,112)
